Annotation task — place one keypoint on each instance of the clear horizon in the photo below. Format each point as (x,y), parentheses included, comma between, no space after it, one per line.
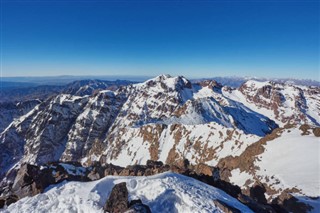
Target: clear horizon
(194,39)
(146,77)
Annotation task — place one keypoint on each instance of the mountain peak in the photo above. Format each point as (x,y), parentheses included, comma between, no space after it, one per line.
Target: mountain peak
(166,81)
(256,84)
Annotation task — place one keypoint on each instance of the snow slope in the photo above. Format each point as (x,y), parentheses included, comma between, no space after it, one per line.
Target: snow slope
(289,161)
(294,160)
(206,143)
(166,192)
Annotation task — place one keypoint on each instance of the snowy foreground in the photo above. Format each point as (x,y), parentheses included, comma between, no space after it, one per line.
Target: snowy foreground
(166,192)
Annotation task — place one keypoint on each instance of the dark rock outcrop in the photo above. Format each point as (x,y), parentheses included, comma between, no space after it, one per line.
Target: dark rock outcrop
(7,200)
(289,203)
(225,207)
(118,199)
(136,206)
(31,180)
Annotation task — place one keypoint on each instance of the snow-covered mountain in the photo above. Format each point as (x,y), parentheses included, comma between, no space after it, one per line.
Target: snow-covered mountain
(10,111)
(283,103)
(42,92)
(170,119)
(237,81)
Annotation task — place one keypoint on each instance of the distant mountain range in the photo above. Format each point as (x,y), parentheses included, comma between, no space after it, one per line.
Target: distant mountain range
(238,81)
(233,81)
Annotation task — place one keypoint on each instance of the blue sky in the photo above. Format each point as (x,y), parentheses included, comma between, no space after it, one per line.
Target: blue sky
(190,38)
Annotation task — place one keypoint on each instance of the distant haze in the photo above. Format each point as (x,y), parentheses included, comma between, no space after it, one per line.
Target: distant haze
(232,81)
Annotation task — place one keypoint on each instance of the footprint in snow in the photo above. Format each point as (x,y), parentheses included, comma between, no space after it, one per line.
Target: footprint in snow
(132,184)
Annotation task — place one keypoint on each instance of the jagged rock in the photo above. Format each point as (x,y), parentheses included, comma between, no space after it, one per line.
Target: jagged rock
(118,199)
(24,183)
(202,168)
(7,200)
(97,171)
(2,202)
(225,207)
(10,111)
(136,206)
(136,170)
(11,199)
(93,175)
(110,169)
(151,163)
(257,207)
(257,193)
(316,131)
(291,204)
(274,96)
(216,174)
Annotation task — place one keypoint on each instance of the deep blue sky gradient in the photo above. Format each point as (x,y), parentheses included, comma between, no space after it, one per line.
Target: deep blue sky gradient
(191,38)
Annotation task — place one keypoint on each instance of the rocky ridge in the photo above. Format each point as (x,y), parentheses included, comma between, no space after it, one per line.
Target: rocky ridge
(31,180)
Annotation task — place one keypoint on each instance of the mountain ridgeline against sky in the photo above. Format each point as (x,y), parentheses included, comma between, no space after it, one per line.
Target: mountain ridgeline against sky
(173,120)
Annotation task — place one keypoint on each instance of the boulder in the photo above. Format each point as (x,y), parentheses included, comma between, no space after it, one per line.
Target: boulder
(257,193)
(118,199)
(23,184)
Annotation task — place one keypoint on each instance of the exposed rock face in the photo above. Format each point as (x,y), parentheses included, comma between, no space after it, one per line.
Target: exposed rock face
(6,201)
(287,103)
(10,111)
(25,182)
(225,207)
(118,202)
(118,199)
(13,140)
(136,206)
(99,114)
(291,204)
(212,84)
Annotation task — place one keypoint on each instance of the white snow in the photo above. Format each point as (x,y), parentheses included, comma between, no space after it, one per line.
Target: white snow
(73,170)
(236,95)
(167,192)
(296,102)
(239,178)
(257,84)
(211,136)
(294,160)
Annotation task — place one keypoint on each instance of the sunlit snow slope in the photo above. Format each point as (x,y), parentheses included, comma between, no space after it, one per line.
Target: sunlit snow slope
(167,192)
